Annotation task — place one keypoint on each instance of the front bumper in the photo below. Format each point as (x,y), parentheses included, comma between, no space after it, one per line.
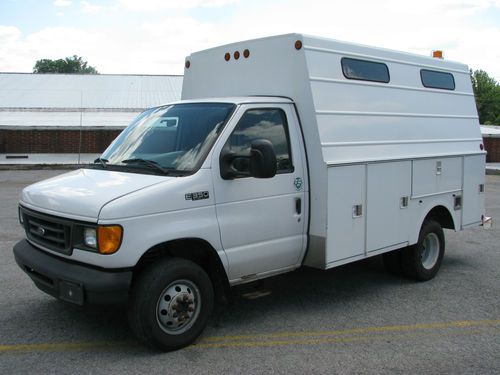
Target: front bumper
(72,282)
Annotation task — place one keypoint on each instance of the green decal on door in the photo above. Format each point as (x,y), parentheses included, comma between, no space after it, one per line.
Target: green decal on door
(298,183)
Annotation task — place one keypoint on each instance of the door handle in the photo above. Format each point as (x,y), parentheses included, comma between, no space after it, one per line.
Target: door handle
(298,206)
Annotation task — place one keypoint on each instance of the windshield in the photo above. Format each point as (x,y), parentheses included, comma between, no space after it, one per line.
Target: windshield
(170,138)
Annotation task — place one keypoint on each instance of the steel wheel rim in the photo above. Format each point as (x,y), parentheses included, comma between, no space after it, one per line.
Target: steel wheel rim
(430,251)
(178,307)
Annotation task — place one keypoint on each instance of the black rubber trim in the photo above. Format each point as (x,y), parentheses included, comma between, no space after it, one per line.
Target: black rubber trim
(58,277)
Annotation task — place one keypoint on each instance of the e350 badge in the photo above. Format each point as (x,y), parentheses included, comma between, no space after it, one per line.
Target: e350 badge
(197,196)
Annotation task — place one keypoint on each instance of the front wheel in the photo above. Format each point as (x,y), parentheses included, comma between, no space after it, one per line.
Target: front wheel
(423,260)
(170,304)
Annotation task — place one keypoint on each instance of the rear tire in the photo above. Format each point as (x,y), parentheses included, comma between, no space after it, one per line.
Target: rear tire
(423,260)
(170,304)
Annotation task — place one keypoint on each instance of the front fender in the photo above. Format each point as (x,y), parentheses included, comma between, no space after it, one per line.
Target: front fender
(144,232)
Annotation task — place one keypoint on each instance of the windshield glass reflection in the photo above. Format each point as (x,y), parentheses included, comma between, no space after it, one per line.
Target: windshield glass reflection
(169,138)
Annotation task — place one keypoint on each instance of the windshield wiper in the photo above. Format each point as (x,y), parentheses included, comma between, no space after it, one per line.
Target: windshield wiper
(149,163)
(102,161)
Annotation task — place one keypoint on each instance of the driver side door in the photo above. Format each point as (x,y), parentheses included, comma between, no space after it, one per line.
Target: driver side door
(262,220)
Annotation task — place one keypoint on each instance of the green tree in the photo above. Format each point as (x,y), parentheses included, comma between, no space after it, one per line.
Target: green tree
(487,92)
(73,64)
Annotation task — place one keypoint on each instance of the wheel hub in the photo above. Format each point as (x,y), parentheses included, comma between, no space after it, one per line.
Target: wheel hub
(178,307)
(430,251)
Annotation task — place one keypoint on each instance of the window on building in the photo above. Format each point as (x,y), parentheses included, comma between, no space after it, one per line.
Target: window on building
(437,80)
(365,70)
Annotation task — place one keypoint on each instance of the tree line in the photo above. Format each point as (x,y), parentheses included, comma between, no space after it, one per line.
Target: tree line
(486,89)
(73,64)
(487,93)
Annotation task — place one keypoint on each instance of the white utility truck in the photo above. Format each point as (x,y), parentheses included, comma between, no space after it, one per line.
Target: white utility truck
(284,152)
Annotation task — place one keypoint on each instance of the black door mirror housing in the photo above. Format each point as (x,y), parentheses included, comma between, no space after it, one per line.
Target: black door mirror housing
(261,163)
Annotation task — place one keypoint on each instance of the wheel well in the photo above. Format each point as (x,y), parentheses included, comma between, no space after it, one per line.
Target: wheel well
(196,250)
(442,216)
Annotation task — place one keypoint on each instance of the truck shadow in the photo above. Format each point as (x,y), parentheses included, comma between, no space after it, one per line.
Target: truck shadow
(336,292)
(289,297)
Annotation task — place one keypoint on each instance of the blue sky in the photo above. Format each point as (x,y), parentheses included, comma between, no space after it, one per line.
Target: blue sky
(154,36)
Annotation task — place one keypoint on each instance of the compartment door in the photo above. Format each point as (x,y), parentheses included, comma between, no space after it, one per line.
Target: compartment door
(473,196)
(346,212)
(389,190)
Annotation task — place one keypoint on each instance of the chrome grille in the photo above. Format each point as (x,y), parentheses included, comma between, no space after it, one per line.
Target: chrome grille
(47,231)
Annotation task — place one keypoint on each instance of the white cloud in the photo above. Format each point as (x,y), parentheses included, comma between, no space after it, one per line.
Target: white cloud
(416,27)
(62,3)
(156,5)
(19,54)
(159,41)
(59,14)
(90,8)
(9,34)
(9,37)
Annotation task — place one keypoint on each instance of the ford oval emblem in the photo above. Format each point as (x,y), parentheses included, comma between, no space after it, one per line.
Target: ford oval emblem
(40,231)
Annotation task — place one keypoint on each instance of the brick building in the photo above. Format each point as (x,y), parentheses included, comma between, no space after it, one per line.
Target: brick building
(73,114)
(491,140)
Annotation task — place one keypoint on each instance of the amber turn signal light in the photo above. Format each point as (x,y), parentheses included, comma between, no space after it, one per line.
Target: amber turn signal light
(109,238)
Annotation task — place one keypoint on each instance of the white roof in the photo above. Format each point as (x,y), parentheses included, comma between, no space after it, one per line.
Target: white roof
(490,131)
(239,99)
(46,119)
(98,91)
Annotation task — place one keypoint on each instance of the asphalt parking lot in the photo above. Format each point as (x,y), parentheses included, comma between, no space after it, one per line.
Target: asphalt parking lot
(354,319)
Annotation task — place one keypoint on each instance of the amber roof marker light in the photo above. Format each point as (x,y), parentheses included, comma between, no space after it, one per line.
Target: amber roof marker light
(227,56)
(438,54)
(246,53)
(187,64)
(236,55)
(298,45)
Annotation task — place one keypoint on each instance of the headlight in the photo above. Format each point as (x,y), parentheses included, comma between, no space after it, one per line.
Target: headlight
(105,239)
(90,237)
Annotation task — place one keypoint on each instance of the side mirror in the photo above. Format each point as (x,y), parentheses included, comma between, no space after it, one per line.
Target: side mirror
(261,163)
(227,169)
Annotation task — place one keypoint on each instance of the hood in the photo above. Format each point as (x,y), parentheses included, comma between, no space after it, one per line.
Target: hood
(82,193)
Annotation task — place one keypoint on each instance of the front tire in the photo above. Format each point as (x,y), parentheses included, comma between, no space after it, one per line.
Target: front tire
(170,304)
(423,260)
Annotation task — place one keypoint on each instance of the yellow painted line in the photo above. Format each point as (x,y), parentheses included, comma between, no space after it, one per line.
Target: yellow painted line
(64,346)
(274,339)
(332,340)
(395,328)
